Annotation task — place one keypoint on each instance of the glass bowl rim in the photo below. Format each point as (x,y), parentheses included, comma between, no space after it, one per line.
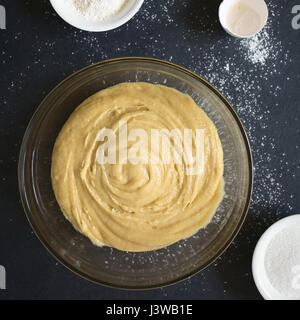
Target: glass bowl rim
(35,120)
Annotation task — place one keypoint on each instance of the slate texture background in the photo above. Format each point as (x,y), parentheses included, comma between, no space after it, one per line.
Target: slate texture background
(260,77)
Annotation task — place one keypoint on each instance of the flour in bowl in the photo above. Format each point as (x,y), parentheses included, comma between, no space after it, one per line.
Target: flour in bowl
(97,10)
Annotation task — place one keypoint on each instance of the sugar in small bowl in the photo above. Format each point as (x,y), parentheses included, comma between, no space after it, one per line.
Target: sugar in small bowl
(276,261)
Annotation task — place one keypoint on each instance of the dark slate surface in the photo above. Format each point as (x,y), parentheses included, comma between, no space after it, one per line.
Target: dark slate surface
(260,77)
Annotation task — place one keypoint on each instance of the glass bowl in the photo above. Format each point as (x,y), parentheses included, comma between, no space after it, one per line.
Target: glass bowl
(106,265)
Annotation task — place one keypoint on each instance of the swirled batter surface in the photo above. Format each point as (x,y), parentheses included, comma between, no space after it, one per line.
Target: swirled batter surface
(135,207)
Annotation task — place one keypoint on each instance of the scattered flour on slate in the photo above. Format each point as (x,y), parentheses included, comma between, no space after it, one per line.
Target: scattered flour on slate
(260,58)
(258,48)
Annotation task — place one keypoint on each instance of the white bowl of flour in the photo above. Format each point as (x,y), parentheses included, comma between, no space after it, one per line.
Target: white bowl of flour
(96,15)
(276,261)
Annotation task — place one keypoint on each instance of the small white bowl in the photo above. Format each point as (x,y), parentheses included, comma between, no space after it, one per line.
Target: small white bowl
(63,10)
(259,6)
(258,263)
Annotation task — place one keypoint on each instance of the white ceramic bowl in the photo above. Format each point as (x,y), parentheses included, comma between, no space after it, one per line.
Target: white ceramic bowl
(258,263)
(63,10)
(259,6)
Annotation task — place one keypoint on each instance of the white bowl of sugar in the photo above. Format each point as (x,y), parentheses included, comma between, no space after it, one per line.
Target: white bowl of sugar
(96,15)
(276,261)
